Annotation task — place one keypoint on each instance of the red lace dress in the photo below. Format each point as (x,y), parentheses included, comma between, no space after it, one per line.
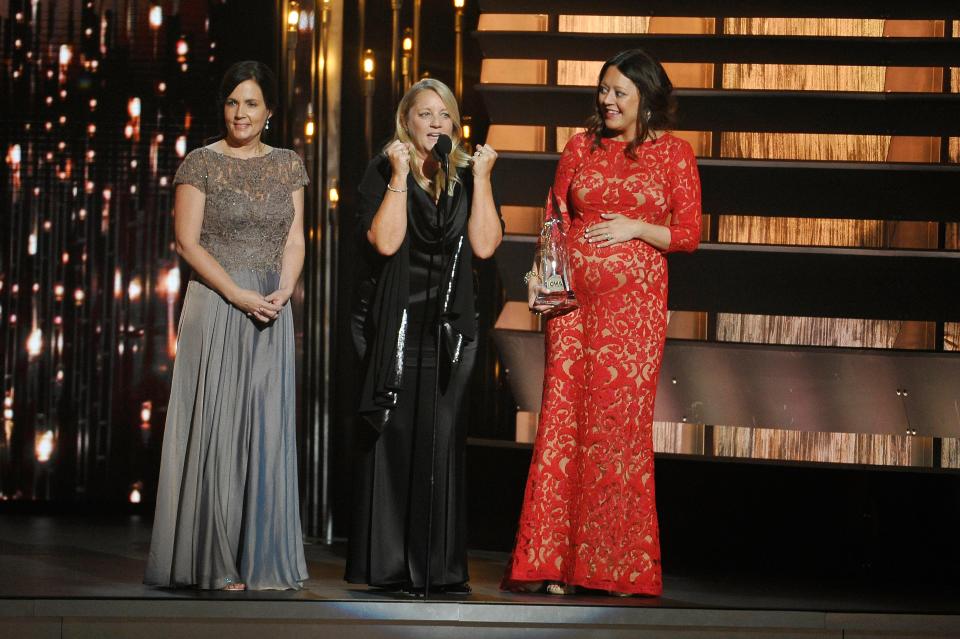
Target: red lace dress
(589,514)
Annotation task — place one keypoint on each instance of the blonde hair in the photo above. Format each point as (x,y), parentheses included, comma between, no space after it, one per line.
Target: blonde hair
(458,157)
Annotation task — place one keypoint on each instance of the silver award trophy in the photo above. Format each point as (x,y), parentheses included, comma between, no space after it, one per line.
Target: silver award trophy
(553,265)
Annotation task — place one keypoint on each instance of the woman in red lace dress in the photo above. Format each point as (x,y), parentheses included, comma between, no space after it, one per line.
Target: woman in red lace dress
(629,192)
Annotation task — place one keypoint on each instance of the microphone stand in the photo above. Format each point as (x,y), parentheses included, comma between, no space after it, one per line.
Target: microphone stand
(442,203)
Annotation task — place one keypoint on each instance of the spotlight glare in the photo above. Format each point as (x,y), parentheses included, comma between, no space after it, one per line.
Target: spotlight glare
(368,63)
(14,156)
(35,342)
(172,281)
(134,289)
(44,447)
(180,146)
(156,16)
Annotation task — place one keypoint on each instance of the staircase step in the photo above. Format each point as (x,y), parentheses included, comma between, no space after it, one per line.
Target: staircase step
(730,49)
(876,113)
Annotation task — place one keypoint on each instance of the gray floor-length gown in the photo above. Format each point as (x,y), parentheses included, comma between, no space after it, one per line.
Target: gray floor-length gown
(227,502)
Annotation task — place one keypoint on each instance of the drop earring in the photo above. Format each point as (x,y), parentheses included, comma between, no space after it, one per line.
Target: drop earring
(266,127)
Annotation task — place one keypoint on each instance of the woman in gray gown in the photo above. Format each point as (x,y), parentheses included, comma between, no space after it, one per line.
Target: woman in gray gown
(227,503)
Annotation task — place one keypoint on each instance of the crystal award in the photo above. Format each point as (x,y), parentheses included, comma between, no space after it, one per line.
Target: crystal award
(553,265)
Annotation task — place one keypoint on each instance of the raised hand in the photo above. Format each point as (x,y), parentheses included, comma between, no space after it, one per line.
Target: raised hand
(399,155)
(484,157)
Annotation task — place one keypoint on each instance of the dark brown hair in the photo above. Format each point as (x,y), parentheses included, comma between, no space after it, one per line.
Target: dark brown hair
(658,106)
(240,72)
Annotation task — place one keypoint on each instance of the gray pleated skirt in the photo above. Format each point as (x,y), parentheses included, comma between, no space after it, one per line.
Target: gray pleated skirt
(227,501)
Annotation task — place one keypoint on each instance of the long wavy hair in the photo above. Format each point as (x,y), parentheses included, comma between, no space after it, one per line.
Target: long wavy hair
(658,105)
(458,157)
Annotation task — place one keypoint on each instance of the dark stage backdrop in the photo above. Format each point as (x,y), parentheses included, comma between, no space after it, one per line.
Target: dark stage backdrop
(100,101)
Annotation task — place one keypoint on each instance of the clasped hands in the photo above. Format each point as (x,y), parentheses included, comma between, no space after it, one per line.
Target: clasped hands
(262,308)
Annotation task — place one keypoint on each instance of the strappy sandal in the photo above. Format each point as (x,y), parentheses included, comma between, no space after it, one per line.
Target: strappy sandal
(557,588)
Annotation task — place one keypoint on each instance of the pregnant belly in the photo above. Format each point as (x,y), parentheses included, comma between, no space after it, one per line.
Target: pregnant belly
(622,267)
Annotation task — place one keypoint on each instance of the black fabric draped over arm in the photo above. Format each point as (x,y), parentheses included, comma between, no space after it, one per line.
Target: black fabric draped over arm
(382,313)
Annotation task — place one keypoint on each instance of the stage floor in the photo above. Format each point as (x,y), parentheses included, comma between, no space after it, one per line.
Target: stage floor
(82,575)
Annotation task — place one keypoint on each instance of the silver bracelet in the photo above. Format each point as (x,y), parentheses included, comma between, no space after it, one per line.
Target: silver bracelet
(529,275)
(390,188)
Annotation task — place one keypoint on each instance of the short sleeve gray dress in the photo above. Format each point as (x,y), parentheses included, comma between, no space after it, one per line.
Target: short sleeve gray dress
(227,502)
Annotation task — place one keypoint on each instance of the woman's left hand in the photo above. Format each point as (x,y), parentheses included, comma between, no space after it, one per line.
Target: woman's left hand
(280,297)
(483,159)
(617,228)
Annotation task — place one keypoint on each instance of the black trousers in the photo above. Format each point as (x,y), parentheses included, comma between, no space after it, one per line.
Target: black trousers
(388,539)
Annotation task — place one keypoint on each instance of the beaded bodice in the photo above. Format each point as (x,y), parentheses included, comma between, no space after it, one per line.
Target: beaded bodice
(249,204)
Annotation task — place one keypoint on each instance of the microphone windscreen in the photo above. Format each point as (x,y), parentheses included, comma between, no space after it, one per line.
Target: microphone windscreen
(443,146)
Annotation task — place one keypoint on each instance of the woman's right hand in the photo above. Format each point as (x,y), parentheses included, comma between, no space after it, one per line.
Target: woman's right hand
(255,305)
(535,287)
(399,155)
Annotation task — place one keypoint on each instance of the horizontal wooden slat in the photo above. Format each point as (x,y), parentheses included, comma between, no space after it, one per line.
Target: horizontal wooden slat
(817,282)
(791,387)
(920,9)
(933,114)
(795,281)
(780,188)
(915,52)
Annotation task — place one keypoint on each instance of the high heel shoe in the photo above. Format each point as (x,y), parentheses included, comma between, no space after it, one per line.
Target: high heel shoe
(557,588)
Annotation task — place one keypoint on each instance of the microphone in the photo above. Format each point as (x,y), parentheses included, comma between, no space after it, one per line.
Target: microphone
(443,147)
(441,151)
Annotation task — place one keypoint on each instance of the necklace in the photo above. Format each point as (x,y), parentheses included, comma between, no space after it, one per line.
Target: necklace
(258,153)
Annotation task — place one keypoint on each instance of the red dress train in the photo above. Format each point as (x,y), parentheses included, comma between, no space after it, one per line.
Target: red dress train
(589,513)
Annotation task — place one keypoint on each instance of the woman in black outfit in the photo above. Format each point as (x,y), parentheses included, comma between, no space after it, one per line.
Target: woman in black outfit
(422,240)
